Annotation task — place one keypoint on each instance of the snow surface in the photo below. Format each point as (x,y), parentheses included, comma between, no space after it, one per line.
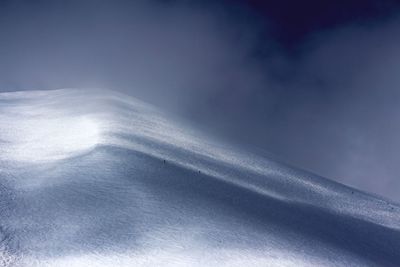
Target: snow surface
(96,178)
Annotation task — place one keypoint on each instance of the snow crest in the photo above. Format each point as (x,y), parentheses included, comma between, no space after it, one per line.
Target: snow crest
(96,178)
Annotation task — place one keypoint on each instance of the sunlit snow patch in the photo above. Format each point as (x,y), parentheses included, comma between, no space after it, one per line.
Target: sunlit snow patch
(47,139)
(42,131)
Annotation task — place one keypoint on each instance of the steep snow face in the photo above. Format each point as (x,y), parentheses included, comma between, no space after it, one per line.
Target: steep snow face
(95,178)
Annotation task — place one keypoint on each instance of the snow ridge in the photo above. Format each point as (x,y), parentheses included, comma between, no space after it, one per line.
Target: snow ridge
(96,178)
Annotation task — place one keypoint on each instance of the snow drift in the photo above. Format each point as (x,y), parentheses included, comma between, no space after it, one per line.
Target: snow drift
(95,178)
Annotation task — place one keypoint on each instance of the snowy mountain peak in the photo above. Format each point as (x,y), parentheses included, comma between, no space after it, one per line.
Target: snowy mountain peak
(96,178)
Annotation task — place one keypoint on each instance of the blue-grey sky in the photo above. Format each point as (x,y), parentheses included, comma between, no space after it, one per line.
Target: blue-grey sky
(314,83)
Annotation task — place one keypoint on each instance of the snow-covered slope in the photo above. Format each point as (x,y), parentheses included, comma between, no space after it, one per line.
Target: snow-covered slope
(95,178)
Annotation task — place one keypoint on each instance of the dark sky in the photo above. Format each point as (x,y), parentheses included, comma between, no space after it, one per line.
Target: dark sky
(292,21)
(314,83)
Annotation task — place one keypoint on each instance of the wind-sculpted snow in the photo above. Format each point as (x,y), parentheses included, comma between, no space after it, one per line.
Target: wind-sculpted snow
(95,178)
